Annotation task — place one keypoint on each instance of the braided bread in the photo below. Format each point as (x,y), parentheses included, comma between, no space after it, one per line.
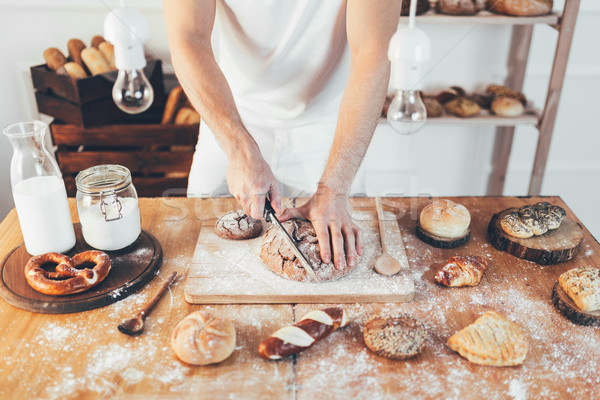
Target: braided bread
(313,327)
(462,271)
(528,221)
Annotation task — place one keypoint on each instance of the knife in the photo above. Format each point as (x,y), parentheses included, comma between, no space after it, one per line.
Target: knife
(271,217)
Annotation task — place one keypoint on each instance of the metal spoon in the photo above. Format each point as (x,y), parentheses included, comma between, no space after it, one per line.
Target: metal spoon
(135,325)
(386,264)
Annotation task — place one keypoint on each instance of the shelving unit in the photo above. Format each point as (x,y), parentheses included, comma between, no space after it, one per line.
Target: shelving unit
(543,120)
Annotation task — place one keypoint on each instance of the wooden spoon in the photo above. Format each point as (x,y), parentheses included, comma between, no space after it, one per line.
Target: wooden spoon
(135,325)
(386,264)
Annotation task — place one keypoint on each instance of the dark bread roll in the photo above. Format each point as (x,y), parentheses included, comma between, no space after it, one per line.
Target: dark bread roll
(521,7)
(422,7)
(461,7)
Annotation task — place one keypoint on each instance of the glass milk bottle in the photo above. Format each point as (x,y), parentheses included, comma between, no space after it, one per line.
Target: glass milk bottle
(39,191)
(107,205)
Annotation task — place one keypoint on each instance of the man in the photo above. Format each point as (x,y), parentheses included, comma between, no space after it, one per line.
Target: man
(285,90)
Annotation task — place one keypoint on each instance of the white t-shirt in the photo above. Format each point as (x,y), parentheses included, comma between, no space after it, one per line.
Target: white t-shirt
(286,61)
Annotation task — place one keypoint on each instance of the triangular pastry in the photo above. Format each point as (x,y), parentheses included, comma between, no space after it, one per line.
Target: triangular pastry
(491,340)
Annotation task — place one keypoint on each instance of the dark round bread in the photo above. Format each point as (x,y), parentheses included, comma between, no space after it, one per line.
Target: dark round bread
(280,259)
(397,336)
(236,225)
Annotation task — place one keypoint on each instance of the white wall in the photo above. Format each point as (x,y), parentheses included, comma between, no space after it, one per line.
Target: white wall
(443,160)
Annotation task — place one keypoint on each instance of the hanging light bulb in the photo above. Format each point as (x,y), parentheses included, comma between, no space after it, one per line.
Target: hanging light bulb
(409,50)
(127,29)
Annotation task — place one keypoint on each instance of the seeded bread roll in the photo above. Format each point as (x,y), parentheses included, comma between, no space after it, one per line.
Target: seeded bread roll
(446,219)
(460,7)
(54,58)
(201,339)
(462,107)
(433,107)
(398,336)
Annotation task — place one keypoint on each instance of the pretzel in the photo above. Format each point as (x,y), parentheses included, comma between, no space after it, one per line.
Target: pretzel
(313,327)
(66,279)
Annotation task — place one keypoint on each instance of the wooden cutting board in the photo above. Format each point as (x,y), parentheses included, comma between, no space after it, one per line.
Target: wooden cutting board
(132,267)
(226,271)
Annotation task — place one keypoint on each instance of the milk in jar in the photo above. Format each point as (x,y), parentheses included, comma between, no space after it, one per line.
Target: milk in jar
(39,191)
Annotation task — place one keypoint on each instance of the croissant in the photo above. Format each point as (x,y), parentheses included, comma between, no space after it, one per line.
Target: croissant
(462,271)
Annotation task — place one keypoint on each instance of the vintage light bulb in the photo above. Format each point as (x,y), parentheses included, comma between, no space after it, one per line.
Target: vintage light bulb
(408,52)
(407,113)
(127,29)
(132,91)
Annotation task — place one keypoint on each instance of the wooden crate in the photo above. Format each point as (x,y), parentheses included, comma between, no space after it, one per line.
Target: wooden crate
(88,102)
(158,156)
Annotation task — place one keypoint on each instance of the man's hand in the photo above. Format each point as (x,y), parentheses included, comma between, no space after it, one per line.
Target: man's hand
(329,213)
(250,179)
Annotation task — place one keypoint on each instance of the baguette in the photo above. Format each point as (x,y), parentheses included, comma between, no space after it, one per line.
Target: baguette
(175,102)
(94,60)
(187,116)
(108,51)
(313,327)
(96,40)
(54,58)
(74,70)
(75,46)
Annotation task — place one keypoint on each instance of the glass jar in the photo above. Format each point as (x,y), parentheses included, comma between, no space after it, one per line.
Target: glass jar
(107,205)
(39,191)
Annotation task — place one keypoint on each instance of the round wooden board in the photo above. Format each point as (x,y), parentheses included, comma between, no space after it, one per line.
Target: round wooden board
(554,246)
(567,307)
(440,242)
(132,268)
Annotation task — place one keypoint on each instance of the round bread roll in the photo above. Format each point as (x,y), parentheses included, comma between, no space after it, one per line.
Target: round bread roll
(521,7)
(446,219)
(236,225)
(507,107)
(202,339)
(397,336)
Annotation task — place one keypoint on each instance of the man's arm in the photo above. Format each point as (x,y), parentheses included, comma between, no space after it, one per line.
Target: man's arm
(189,28)
(370,25)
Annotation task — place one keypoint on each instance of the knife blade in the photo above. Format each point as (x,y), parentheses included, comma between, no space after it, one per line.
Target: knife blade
(271,217)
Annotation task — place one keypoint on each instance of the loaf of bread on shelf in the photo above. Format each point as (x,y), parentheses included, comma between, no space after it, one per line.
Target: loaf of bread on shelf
(422,7)
(433,107)
(462,107)
(505,91)
(54,58)
(460,7)
(450,94)
(521,7)
(507,107)
(94,61)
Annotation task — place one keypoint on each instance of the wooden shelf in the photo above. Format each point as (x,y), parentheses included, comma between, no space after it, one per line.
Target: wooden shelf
(486,118)
(484,17)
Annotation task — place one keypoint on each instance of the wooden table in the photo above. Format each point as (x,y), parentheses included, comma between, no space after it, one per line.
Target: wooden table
(83,355)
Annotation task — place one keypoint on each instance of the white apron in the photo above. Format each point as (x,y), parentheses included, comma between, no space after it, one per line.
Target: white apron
(287,63)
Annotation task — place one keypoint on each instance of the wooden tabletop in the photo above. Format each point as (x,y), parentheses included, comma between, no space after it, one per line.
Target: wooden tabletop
(83,355)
